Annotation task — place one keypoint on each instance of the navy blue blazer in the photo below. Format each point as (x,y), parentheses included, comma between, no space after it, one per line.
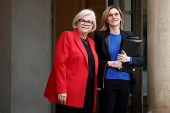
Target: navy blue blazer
(102,39)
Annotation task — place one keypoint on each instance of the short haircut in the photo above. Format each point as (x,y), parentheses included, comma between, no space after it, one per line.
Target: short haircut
(83,13)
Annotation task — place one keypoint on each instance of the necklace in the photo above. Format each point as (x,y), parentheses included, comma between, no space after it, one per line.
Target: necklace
(84,41)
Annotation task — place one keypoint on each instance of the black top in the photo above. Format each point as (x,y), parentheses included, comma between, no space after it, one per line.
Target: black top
(90,79)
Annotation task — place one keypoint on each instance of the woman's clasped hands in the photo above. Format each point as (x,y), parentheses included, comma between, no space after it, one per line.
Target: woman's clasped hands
(121,58)
(115,64)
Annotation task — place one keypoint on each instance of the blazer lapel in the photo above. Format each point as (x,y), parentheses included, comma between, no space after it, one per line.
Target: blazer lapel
(107,41)
(80,44)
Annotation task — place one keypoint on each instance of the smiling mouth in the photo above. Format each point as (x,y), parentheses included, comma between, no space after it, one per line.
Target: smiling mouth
(84,28)
(113,20)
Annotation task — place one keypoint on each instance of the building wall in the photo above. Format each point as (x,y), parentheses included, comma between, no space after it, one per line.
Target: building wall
(5,55)
(25,41)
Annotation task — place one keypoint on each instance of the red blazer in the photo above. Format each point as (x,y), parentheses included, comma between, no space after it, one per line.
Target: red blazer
(70,71)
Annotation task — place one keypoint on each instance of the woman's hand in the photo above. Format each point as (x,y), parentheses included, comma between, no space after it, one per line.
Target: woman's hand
(62,98)
(123,57)
(99,89)
(115,64)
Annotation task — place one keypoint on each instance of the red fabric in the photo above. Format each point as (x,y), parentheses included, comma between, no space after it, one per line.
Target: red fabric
(70,71)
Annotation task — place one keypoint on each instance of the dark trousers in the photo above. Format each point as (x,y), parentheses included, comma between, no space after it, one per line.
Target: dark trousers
(101,100)
(88,105)
(116,96)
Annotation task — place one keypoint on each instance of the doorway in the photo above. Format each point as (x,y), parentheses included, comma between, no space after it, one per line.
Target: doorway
(65,11)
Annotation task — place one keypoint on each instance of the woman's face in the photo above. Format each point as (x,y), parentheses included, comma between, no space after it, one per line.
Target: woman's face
(85,24)
(114,18)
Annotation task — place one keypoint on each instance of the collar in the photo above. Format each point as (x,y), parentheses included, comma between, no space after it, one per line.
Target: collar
(107,33)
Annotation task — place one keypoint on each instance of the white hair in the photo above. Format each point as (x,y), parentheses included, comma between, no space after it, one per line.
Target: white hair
(83,13)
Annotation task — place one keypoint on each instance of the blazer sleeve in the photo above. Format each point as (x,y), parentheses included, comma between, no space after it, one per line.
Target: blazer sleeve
(98,47)
(139,60)
(60,61)
(97,44)
(102,63)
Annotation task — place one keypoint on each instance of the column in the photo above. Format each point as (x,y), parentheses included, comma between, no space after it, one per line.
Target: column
(25,55)
(31,55)
(158,48)
(5,55)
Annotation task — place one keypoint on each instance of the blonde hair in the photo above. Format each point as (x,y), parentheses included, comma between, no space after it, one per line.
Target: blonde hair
(83,13)
(104,24)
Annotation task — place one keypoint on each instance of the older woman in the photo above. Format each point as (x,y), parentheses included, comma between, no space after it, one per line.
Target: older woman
(115,97)
(72,83)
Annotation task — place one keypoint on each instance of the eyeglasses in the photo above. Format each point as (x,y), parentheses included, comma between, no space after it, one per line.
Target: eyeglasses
(115,15)
(83,22)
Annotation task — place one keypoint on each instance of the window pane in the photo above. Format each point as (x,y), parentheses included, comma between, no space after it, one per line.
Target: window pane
(127,22)
(127,5)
